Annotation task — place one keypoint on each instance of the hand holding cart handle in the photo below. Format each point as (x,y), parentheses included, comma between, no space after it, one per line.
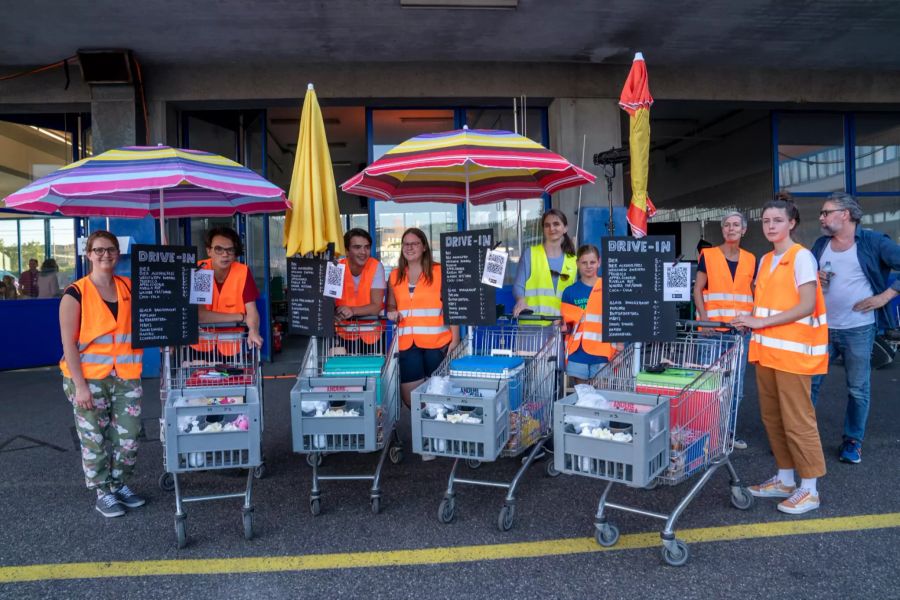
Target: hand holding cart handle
(688,325)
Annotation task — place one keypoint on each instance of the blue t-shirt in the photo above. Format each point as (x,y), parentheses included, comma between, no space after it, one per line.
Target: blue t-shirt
(578,294)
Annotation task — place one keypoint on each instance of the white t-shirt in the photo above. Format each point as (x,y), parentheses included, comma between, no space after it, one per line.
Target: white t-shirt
(805,268)
(848,285)
(377,280)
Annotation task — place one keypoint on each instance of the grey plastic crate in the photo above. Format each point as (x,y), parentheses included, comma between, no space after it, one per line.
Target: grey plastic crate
(483,441)
(634,463)
(220,450)
(364,433)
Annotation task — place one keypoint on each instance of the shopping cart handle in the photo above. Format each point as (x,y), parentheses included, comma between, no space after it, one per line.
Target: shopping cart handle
(226,325)
(529,315)
(691,325)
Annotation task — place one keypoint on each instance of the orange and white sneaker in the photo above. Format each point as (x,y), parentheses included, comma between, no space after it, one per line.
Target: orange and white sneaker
(800,502)
(773,488)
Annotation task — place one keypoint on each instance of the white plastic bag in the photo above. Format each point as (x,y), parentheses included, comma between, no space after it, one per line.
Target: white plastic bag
(589,397)
(439,385)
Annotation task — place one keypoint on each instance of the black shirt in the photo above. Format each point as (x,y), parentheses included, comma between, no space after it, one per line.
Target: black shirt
(113,306)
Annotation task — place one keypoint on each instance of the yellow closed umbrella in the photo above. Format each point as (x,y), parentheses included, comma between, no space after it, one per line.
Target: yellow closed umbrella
(314,219)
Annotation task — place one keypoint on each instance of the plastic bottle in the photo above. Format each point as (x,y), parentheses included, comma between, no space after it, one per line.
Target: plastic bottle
(826,268)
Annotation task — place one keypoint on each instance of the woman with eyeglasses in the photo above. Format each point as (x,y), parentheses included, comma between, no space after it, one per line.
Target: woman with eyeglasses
(789,345)
(414,303)
(546,269)
(102,375)
(234,292)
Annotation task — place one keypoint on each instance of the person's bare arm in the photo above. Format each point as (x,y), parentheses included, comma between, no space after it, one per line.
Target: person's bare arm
(252,322)
(699,286)
(803,308)
(69,328)
(391,306)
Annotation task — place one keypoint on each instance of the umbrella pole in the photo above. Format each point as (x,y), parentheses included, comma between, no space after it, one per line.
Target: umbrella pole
(164,239)
(468,212)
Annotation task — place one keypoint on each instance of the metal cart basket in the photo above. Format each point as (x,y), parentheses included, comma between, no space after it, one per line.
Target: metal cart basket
(212,416)
(666,419)
(489,412)
(346,399)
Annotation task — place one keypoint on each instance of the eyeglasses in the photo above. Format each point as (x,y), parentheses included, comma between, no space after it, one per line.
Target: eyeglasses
(220,250)
(826,212)
(112,251)
(411,244)
(562,276)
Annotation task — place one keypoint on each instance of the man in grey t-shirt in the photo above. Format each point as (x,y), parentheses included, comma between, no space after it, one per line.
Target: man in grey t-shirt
(851,264)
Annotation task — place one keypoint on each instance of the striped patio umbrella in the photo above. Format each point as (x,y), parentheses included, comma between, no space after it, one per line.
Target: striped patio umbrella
(479,165)
(636,101)
(137,181)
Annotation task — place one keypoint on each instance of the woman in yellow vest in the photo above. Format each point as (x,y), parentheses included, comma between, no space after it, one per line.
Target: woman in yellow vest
(582,313)
(414,303)
(234,292)
(102,375)
(723,291)
(547,269)
(789,344)
(363,294)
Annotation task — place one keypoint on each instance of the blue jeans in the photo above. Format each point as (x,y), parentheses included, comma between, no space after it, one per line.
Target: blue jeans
(855,345)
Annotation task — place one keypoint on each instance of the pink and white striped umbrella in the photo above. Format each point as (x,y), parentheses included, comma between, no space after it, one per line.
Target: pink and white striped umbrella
(160,181)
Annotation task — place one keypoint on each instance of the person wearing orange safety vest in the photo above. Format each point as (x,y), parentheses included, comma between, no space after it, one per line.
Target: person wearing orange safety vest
(582,313)
(789,344)
(363,294)
(414,303)
(723,290)
(102,375)
(234,290)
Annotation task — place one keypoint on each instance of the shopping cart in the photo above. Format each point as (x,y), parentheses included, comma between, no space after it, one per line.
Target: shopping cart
(346,399)
(666,419)
(501,383)
(212,415)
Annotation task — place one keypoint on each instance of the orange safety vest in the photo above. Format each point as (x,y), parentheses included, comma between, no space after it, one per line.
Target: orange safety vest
(361,295)
(104,343)
(422,314)
(230,299)
(800,347)
(589,331)
(725,297)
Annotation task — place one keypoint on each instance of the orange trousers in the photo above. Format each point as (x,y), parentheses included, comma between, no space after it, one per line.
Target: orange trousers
(790,420)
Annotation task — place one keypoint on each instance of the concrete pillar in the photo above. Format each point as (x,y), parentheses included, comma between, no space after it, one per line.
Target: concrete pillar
(113,117)
(571,119)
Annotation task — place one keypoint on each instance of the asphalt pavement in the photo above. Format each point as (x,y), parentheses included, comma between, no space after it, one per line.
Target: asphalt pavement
(51,531)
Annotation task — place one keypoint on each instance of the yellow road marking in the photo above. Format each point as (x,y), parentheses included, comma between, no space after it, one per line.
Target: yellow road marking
(459,554)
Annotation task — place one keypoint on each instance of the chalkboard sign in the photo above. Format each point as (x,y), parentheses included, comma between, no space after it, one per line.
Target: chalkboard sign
(633,306)
(466,300)
(161,313)
(311,312)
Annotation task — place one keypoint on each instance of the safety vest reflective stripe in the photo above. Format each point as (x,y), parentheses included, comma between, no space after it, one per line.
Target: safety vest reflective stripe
(97,359)
(414,330)
(546,311)
(591,318)
(130,359)
(540,292)
(725,312)
(727,297)
(811,321)
(423,312)
(594,337)
(779,344)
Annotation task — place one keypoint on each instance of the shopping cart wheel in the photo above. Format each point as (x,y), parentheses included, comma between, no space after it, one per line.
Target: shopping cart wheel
(180,533)
(550,469)
(376,505)
(607,535)
(260,470)
(315,457)
(315,506)
(676,556)
(396,454)
(507,515)
(473,463)
(447,510)
(741,498)
(248,523)
(167,482)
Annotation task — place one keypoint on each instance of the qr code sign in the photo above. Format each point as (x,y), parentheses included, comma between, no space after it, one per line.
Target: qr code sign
(676,277)
(202,283)
(334,277)
(495,265)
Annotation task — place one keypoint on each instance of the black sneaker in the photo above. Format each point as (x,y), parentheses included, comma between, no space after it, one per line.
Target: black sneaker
(108,506)
(125,496)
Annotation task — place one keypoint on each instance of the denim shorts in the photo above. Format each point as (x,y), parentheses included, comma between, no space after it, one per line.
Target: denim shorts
(418,363)
(583,370)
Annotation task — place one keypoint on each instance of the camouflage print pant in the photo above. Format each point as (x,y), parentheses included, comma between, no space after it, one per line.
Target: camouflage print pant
(115,419)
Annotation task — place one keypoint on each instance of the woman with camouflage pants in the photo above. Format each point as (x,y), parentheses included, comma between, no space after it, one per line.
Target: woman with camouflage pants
(102,375)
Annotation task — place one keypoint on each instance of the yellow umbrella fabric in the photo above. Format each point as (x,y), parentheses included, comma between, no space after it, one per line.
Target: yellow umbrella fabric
(636,101)
(314,219)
